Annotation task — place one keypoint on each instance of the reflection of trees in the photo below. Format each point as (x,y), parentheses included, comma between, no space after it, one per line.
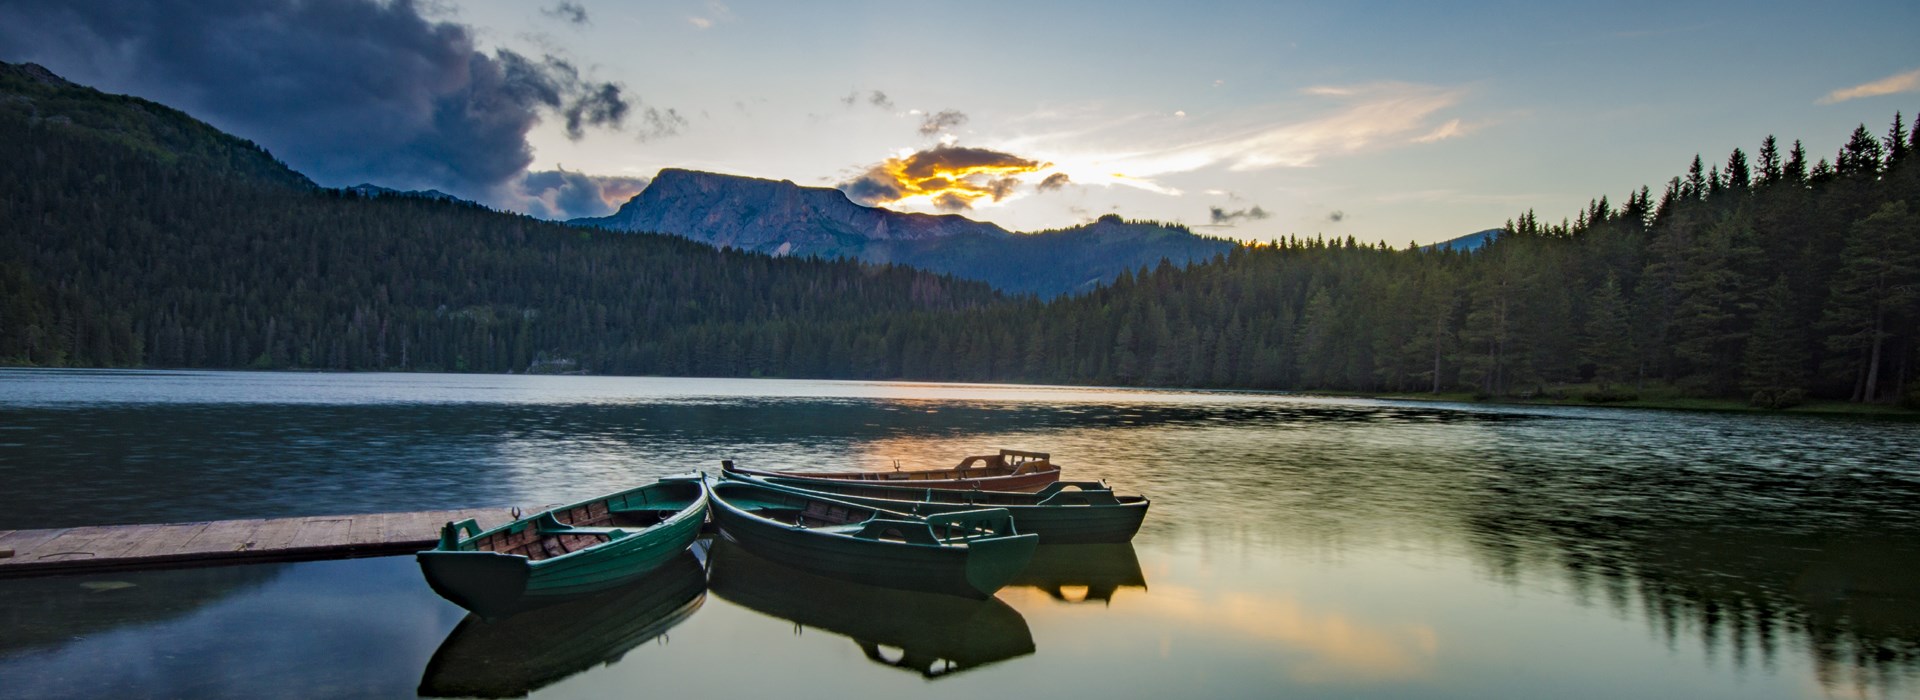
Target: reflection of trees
(1747,570)
(51,611)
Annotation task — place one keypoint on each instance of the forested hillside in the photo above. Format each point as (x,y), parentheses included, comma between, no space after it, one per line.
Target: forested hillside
(132,235)
(1763,278)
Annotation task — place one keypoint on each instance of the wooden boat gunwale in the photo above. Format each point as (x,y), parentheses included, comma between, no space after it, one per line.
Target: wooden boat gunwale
(1066,512)
(451,541)
(1010,470)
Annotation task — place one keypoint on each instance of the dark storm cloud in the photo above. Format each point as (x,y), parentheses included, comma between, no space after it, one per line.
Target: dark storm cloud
(1054,182)
(941,121)
(570,12)
(344,90)
(565,194)
(1222,217)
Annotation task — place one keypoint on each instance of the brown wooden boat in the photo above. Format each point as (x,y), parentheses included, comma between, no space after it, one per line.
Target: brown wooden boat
(1010,470)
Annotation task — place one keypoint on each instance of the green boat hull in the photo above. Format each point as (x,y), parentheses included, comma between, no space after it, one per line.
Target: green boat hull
(972,570)
(1058,515)
(515,656)
(495,585)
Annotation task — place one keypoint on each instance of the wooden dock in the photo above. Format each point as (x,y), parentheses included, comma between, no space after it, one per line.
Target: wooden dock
(111,547)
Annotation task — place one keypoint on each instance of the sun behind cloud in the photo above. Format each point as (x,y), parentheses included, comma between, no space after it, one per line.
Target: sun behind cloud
(948,177)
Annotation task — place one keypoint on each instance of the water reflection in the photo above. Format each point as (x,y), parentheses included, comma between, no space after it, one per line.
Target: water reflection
(1775,553)
(355,628)
(932,635)
(40,613)
(1081,573)
(520,654)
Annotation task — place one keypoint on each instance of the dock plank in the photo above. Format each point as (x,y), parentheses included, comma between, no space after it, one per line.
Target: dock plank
(23,541)
(172,540)
(223,537)
(81,549)
(322,532)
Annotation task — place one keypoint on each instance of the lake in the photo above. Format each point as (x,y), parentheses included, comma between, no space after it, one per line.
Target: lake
(1298,546)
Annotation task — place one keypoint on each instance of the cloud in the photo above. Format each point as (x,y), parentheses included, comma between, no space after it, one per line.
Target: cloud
(346,91)
(941,121)
(1336,216)
(1890,85)
(1221,217)
(949,177)
(717,13)
(1445,131)
(569,12)
(874,97)
(1054,182)
(659,123)
(564,194)
(1332,121)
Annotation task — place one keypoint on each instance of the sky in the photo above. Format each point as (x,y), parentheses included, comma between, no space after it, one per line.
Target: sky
(1399,122)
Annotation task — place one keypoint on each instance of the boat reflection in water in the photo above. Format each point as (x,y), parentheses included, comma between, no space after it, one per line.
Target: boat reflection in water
(1083,573)
(930,634)
(515,656)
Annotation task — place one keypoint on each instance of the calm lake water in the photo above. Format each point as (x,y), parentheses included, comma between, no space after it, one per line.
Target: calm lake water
(1297,546)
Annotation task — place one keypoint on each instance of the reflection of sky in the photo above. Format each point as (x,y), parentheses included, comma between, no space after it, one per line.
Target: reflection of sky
(1259,623)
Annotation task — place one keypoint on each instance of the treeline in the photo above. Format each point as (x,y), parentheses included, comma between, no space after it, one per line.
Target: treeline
(1769,278)
(132,236)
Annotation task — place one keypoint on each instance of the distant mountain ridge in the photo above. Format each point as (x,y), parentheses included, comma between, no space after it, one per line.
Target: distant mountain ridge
(368,189)
(1470,242)
(772,216)
(783,218)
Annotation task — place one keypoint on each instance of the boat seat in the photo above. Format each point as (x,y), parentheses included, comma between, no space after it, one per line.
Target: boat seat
(610,532)
(665,507)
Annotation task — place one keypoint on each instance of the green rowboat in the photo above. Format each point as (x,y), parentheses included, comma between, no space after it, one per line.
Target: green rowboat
(1065,512)
(969,553)
(569,551)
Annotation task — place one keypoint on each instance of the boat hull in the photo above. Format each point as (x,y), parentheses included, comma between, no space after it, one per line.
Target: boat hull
(1029,482)
(974,570)
(1061,522)
(496,585)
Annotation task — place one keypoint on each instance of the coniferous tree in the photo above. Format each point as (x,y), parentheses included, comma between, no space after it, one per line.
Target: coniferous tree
(1775,361)
(1770,167)
(1877,281)
(1739,175)
(1796,168)
(1607,340)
